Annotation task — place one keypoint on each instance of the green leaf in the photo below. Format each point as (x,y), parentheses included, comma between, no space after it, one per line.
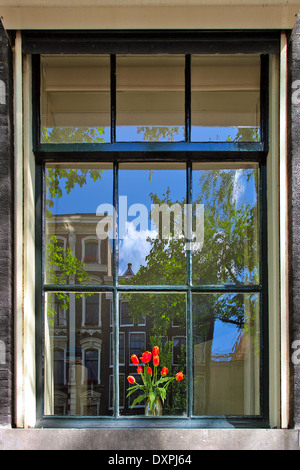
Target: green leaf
(138,400)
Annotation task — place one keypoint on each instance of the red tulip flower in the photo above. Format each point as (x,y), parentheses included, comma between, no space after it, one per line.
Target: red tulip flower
(139,370)
(149,370)
(146,357)
(179,376)
(156,361)
(164,371)
(135,359)
(131,379)
(155,351)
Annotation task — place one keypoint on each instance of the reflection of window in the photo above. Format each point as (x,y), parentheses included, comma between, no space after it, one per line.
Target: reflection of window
(61,242)
(60,316)
(92,309)
(91,250)
(125,318)
(91,364)
(137,343)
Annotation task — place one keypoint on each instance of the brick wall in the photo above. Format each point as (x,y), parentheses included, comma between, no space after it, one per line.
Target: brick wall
(6,230)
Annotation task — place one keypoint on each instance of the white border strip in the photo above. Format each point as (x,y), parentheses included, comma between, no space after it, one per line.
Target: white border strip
(283,204)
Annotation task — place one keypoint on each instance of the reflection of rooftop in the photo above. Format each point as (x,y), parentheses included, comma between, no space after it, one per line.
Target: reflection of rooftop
(129,271)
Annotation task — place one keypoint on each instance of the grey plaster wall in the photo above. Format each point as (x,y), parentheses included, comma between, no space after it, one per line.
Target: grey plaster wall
(6,230)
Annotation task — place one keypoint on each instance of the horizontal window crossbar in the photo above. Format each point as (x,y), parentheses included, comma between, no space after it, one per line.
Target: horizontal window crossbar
(150,288)
(206,148)
(150,42)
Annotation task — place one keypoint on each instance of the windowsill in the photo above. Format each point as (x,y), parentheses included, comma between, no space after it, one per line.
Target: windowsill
(148,422)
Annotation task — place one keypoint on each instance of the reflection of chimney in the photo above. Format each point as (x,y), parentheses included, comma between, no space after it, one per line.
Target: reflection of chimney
(129,271)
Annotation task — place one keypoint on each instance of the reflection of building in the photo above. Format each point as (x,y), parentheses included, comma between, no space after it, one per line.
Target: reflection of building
(79,350)
(80,356)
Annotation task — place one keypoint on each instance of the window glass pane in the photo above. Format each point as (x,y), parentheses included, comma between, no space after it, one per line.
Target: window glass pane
(76,358)
(152,248)
(78,210)
(150,98)
(75,99)
(226,209)
(161,312)
(225,99)
(92,309)
(226,348)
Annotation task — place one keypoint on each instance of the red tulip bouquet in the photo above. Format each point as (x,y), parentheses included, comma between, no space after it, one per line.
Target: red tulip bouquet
(153,388)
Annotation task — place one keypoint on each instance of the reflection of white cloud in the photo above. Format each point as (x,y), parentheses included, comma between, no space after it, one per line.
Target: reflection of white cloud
(239,186)
(134,247)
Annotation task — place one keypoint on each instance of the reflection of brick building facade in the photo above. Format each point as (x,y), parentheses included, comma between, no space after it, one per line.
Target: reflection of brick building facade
(81,336)
(79,350)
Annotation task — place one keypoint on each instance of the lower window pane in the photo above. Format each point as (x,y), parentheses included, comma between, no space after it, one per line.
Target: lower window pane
(226,347)
(77,354)
(157,319)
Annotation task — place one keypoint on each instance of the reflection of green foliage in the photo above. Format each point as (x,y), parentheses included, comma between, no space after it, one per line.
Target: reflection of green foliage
(247,134)
(70,177)
(161,309)
(158,133)
(229,254)
(85,135)
(60,265)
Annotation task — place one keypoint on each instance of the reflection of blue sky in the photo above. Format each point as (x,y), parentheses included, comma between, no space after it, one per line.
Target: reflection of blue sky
(85,200)
(137,186)
(225,338)
(136,134)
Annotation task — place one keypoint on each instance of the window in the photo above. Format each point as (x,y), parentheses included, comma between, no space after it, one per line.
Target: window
(91,250)
(91,310)
(154,171)
(91,364)
(137,344)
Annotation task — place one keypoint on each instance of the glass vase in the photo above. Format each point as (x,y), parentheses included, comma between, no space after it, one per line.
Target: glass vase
(156,409)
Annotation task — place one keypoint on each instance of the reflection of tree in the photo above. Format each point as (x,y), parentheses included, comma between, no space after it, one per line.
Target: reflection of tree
(229,251)
(247,134)
(158,133)
(61,264)
(228,256)
(85,135)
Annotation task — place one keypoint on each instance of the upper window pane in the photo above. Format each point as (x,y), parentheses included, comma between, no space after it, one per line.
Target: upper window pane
(225,99)
(150,98)
(75,100)
(226,213)
(152,243)
(78,223)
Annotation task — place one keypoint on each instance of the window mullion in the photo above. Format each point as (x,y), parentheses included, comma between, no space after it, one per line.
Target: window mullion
(115,295)
(188,98)
(113,97)
(189,321)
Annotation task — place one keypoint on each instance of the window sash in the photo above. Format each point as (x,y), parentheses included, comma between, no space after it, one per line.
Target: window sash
(189,288)
(186,152)
(44,150)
